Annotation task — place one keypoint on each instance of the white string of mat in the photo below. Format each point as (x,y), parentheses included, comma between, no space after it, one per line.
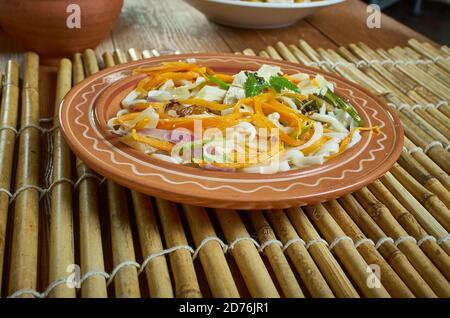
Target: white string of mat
(109,277)
(45,191)
(426,106)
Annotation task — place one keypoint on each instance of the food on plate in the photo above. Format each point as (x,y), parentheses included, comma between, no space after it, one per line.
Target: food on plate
(260,121)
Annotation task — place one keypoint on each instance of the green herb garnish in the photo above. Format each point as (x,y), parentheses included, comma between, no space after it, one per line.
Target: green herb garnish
(338,102)
(280,83)
(254,85)
(218,82)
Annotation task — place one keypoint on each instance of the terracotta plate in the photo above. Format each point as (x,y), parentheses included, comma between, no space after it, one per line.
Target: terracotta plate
(87,108)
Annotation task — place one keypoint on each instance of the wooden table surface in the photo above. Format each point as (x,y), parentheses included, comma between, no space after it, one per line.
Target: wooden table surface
(173,25)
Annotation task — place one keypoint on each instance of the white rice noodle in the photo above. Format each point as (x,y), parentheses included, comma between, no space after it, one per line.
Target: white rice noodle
(275,119)
(167,86)
(149,113)
(130,99)
(289,102)
(303,162)
(300,77)
(355,139)
(337,137)
(160,95)
(343,117)
(274,167)
(129,141)
(244,129)
(324,85)
(122,112)
(318,134)
(323,109)
(331,120)
(330,148)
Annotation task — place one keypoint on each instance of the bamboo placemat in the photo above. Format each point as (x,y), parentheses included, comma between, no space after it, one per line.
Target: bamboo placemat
(56,212)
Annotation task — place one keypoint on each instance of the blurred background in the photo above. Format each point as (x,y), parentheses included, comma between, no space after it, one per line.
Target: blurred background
(430,17)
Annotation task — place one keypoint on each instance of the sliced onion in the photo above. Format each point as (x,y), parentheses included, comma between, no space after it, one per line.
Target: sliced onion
(180,135)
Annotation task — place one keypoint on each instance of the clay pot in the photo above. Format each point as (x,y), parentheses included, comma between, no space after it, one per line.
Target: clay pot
(49,27)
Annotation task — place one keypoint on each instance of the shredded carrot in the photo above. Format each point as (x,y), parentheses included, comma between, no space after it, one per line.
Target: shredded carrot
(156,143)
(207,122)
(225,77)
(316,146)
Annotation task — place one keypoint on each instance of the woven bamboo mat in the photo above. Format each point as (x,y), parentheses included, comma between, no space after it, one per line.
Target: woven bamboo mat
(56,212)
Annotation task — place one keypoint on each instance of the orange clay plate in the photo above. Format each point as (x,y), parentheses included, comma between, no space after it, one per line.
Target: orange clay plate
(85,111)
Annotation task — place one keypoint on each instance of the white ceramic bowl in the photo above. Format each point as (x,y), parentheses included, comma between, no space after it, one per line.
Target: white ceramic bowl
(257,15)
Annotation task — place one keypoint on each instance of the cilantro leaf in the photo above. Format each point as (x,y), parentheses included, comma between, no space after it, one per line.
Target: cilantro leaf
(254,85)
(279,83)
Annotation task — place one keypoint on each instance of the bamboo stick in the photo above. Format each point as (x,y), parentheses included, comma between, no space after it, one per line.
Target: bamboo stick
(427,198)
(285,53)
(424,178)
(249,52)
(24,251)
(250,264)
(310,274)
(8,118)
(134,54)
(264,53)
(312,55)
(330,268)
(354,263)
(211,255)
(385,220)
(426,220)
(108,60)
(277,259)
(301,56)
(61,251)
(91,249)
(427,52)
(428,164)
(119,57)
(438,154)
(388,249)
(146,54)
(273,53)
(157,271)
(126,282)
(388,277)
(409,223)
(185,278)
